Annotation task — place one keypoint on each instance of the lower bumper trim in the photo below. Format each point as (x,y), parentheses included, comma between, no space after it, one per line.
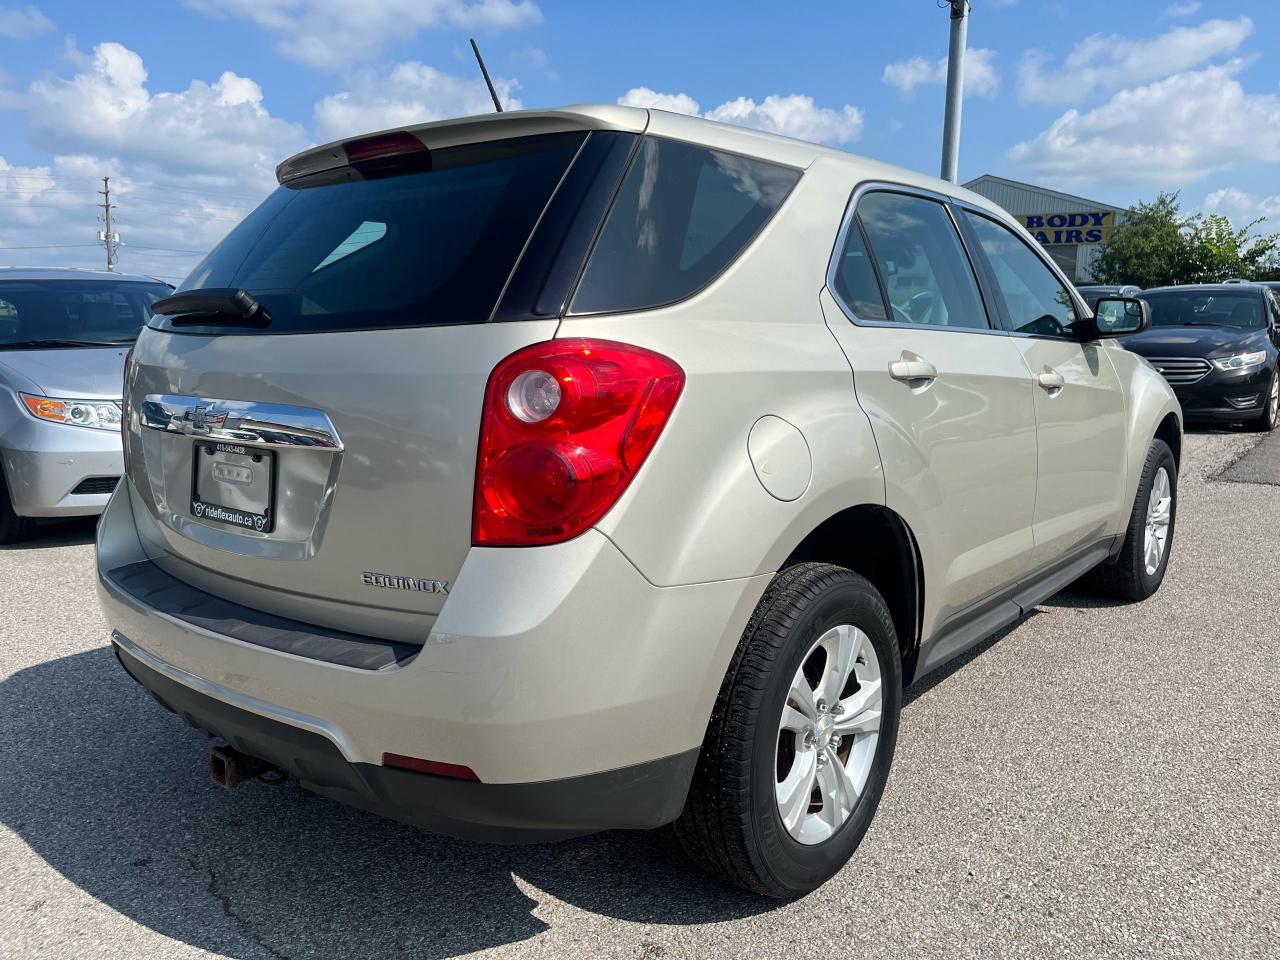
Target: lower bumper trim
(643,796)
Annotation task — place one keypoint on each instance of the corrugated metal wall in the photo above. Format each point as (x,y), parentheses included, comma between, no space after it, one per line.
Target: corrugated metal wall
(1024,199)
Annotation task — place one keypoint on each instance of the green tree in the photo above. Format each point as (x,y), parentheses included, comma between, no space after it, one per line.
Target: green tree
(1149,248)
(1220,251)
(1158,245)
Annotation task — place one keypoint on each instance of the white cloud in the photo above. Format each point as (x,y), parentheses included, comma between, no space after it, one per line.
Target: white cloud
(410,93)
(672,102)
(23,23)
(1171,132)
(1243,207)
(185,165)
(336,33)
(1188,9)
(1109,62)
(219,133)
(792,116)
(980,76)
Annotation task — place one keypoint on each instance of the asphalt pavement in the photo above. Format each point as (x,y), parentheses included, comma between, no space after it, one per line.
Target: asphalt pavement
(1101,780)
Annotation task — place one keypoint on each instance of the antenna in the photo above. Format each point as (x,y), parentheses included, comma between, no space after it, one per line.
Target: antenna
(497,104)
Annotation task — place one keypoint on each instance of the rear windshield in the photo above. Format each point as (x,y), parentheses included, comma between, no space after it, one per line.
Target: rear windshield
(1240,310)
(416,249)
(682,215)
(74,312)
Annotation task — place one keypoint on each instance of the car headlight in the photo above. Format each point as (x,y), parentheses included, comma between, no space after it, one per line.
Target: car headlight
(1240,361)
(98,414)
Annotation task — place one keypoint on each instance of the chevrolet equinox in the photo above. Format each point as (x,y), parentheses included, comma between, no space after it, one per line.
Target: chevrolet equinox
(541,473)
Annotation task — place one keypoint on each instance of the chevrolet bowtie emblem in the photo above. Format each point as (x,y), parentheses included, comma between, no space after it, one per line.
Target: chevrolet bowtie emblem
(205,416)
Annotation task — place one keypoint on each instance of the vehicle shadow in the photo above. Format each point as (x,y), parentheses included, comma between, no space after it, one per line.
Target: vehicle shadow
(113,792)
(61,533)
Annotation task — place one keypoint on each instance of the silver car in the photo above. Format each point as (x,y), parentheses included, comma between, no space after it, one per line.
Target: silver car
(64,334)
(534,474)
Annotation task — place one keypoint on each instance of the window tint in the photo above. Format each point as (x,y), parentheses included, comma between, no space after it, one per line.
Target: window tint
(79,310)
(924,266)
(683,213)
(1037,302)
(855,280)
(416,248)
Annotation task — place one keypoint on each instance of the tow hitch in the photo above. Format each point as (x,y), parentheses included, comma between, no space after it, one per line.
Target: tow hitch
(229,768)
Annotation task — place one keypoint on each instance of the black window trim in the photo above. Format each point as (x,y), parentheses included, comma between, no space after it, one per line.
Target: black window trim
(851,218)
(570,312)
(1082,308)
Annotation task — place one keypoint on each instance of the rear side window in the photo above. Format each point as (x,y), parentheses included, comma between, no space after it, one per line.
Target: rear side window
(855,279)
(927,274)
(682,215)
(419,248)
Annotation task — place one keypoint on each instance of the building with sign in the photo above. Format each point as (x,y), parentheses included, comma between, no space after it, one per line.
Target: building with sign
(1070,227)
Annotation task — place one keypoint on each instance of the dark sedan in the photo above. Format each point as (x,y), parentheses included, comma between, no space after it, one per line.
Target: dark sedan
(1219,348)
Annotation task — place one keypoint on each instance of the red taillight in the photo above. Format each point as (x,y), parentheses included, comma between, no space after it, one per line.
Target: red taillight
(388,153)
(455,770)
(566,426)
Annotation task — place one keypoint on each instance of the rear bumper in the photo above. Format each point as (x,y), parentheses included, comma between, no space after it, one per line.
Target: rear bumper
(641,796)
(45,462)
(549,670)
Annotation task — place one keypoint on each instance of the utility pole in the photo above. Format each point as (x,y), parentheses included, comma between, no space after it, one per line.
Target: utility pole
(955,88)
(106,236)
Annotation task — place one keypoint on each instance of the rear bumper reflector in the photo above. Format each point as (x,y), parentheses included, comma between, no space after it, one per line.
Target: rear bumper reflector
(455,770)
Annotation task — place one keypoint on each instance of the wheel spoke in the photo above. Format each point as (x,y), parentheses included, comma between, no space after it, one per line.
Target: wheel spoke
(838,792)
(843,645)
(793,793)
(794,720)
(1153,552)
(800,698)
(861,711)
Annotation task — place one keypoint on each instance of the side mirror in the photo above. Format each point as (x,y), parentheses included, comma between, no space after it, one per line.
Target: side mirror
(1120,317)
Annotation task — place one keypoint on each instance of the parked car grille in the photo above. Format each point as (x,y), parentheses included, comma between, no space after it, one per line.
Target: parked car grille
(1181,370)
(96,485)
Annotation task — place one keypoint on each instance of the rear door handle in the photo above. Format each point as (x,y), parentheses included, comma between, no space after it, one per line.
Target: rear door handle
(1051,381)
(912,370)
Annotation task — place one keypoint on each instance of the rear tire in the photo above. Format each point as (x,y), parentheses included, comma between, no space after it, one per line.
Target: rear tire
(812,621)
(1266,421)
(1137,573)
(13,528)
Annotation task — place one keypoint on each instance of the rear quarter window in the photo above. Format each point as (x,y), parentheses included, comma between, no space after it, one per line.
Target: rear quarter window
(682,215)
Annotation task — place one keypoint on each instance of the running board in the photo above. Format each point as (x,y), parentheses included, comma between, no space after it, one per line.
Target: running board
(979,621)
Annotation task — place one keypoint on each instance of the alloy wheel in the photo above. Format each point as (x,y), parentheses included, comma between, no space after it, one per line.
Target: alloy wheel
(828,734)
(1159,512)
(1274,404)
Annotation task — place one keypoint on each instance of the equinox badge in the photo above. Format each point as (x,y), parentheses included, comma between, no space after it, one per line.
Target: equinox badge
(390,581)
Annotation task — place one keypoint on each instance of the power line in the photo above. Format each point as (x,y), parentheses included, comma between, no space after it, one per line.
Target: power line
(5,175)
(51,246)
(169,251)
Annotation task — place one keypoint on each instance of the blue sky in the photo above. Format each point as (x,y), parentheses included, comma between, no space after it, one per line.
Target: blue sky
(189,105)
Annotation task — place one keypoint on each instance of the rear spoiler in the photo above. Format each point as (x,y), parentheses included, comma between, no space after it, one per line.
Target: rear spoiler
(452,133)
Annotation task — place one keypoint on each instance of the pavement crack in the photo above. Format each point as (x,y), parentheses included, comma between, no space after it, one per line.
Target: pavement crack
(213,888)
